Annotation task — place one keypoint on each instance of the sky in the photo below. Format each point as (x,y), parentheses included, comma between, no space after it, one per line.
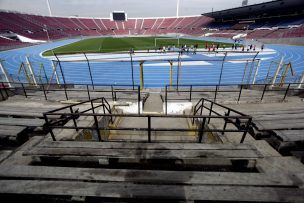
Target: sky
(133,8)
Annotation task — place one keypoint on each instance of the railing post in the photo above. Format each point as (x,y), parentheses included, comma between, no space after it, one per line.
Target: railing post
(190,98)
(97,128)
(202,106)
(88,91)
(74,120)
(92,106)
(88,62)
(112,93)
(149,128)
(264,91)
(44,92)
(226,121)
(96,122)
(286,92)
(24,90)
(166,102)
(201,130)
(65,92)
(210,112)
(47,124)
(241,88)
(215,94)
(246,129)
(138,99)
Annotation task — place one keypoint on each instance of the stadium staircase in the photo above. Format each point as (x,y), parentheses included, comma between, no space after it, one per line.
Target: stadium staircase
(104,154)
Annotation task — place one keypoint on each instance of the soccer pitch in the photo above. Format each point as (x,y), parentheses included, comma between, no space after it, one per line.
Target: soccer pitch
(113,44)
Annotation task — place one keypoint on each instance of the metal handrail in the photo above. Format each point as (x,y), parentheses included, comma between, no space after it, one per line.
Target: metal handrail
(216,90)
(41,87)
(201,129)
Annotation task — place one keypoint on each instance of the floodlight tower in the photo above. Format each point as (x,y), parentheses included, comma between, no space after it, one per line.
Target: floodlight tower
(49,7)
(177,8)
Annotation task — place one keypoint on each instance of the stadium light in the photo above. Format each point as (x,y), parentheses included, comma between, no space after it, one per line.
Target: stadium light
(49,7)
(177,8)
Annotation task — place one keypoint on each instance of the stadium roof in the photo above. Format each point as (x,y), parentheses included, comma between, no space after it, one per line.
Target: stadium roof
(273,8)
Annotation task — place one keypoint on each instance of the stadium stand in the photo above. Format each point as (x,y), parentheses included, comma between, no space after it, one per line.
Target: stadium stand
(227,24)
(84,142)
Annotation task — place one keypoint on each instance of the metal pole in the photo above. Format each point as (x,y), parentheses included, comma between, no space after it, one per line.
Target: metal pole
(256,72)
(251,68)
(301,80)
(222,68)
(177,8)
(89,96)
(277,72)
(149,128)
(141,72)
(5,73)
(166,102)
(178,69)
(241,88)
(215,93)
(263,92)
(55,73)
(171,74)
(29,66)
(246,129)
(49,7)
(132,70)
(47,124)
(286,92)
(64,83)
(45,75)
(89,69)
(138,99)
(201,130)
(226,121)
(74,120)
(190,93)
(24,90)
(44,91)
(245,70)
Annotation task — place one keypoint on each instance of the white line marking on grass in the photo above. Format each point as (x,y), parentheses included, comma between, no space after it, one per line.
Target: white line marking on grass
(184,63)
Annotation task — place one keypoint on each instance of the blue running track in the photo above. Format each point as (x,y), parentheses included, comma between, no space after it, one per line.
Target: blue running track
(156,74)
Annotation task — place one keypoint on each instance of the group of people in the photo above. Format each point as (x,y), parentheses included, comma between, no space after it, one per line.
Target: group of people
(186,49)
(193,48)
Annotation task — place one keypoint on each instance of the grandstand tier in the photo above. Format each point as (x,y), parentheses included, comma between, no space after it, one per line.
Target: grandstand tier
(53,28)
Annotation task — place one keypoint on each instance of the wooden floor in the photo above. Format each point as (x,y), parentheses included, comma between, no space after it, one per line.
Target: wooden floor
(281,124)
(73,171)
(155,171)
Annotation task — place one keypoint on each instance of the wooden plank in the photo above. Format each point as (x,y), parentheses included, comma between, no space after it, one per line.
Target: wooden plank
(275,117)
(265,149)
(277,165)
(127,190)
(4,154)
(22,122)
(16,157)
(144,176)
(10,130)
(21,113)
(290,135)
(279,125)
(143,154)
(147,146)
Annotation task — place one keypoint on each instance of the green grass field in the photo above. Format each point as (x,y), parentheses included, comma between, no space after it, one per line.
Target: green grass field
(110,44)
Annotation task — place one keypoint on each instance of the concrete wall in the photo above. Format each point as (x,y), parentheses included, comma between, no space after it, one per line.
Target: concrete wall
(290,41)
